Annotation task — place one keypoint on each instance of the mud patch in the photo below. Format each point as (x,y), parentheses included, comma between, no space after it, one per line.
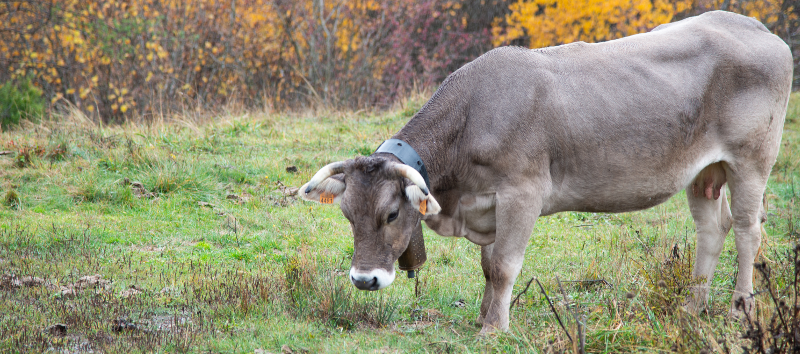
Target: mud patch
(12,281)
(88,282)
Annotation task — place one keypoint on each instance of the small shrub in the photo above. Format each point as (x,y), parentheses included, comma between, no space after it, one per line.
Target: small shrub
(12,199)
(26,154)
(241,255)
(669,282)
(781,333)
(203,246)
(57,151)
(20,101)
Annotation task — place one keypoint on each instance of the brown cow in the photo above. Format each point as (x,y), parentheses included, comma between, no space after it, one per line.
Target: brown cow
(609,127)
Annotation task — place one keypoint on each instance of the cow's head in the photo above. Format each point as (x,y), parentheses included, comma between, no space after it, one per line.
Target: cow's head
(384,201)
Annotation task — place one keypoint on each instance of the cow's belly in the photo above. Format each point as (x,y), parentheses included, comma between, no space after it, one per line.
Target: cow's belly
(473,218)
(641,188)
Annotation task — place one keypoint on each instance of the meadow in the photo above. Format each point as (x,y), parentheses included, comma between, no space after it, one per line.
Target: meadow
(185,234)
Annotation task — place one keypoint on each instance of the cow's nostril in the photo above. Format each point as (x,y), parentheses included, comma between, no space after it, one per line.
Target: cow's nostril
(372,280)
(365,284)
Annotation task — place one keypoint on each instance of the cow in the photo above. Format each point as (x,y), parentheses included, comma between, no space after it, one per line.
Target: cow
(606,127)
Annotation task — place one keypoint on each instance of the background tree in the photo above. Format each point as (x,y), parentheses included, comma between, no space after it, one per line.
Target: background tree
(114,59)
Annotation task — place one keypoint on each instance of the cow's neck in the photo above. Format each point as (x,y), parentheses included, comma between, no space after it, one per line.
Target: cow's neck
(434,137)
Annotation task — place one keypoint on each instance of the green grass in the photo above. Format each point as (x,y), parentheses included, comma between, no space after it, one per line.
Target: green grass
(226,262)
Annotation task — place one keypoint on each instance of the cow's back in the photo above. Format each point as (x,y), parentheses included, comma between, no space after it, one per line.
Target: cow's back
(646,111)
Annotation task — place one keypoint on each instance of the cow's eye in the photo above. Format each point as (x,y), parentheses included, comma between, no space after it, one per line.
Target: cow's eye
(392,216)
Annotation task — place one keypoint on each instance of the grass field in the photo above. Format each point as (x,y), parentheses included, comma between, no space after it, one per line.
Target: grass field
(185,237)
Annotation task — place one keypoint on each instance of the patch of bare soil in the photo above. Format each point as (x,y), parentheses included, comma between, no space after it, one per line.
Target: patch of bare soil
(12,281)
(240,198)
(133,290)
(89,282)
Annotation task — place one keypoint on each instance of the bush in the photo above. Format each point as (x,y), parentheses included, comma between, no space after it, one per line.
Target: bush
(19,101)
(149,57)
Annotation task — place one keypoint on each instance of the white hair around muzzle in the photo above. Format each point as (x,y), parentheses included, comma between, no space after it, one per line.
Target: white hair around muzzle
(375,279)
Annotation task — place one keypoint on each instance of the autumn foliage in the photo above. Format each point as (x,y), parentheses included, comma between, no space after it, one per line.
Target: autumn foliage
(541,23)
(117,58)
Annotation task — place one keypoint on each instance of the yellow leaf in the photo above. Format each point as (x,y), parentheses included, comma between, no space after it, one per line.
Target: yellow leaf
(124,108)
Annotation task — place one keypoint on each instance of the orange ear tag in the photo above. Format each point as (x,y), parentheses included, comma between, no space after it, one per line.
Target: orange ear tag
(326,198)
(423,207)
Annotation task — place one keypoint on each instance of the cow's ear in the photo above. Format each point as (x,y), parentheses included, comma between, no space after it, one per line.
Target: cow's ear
(329,191)
(426,204)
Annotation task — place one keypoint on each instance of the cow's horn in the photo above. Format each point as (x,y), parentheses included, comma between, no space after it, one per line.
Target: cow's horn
(412,174)
(325,172)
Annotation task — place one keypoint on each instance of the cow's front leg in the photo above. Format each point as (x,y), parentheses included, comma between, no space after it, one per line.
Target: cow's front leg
(486,257)
(515,220)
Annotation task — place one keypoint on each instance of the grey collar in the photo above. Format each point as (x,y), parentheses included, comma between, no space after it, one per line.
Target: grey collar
(407,155)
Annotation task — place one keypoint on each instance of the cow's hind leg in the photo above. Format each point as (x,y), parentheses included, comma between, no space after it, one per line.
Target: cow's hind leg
(747,189)
(486,257)
(712,218)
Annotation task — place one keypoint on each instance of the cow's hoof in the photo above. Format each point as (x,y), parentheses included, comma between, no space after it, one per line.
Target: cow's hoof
(490,330)
(487,332)
(741,307)
(735,315)
(694,308)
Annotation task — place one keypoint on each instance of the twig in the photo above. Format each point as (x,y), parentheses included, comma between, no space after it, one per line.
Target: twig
(416,287)
(520,294)
(602,281)
(578,319)
(553,309)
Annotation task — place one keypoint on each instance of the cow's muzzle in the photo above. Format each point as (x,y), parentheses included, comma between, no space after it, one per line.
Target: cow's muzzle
(372,280)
